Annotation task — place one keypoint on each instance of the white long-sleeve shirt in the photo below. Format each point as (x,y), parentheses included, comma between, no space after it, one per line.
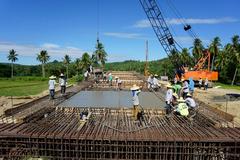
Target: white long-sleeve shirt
(51,84)
(135,98)
(190,102)
(150,82)
(206,82)
(185,87)
(62,81)
(155,83)
(168,97)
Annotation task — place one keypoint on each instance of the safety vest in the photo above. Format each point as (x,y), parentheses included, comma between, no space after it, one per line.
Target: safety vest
(183,109)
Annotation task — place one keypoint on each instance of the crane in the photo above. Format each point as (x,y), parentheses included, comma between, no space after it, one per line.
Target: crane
(162,31)
(168,43)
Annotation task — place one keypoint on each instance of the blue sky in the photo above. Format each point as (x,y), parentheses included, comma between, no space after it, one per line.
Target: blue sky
(70,27)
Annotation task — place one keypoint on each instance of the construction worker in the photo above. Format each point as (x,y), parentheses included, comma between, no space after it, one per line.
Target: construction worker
(206,84)
(110,78)
(51,87)
(150,82)
(155,85)
(185,88)
(168,99)
(104,77)
(200,83)
(192,106)
(175,80)
(191,86)
(86,75)
(177,89)
(62,83)
(174,99)
(135,92)
(190,101)
(118,83)
(182,108)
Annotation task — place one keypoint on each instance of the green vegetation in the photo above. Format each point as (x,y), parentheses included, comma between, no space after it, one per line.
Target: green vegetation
(226,86)
(160,67)
(66,61)
(100,55)
(12,57)
(43,57)
(22,86)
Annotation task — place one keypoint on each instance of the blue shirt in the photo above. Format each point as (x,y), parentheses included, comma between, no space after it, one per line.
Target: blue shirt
(191,84)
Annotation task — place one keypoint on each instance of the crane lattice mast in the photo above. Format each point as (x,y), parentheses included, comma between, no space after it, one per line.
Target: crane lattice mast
(160,28)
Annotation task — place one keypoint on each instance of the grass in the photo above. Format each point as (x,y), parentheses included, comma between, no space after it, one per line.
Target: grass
(227,86)
(22,86)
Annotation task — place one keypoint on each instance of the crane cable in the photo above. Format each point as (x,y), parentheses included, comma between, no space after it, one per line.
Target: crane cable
(181,19)
(170,28)
(98,20)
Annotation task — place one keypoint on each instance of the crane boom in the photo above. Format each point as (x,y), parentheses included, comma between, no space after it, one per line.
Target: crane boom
(161,29)
(159,25)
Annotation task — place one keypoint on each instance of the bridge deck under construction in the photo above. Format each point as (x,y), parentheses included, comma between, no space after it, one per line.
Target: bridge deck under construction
(112,133)
(55,129)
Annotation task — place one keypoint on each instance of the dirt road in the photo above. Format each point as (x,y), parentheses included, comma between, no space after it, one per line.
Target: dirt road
(217,98)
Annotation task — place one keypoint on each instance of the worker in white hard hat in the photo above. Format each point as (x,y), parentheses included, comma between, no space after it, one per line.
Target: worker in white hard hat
(118,83)
(155,83)
(62,83)
(190,101)
(150,82)
(135,92)
(168,99)
(185,88)
(51,84)
(206,84)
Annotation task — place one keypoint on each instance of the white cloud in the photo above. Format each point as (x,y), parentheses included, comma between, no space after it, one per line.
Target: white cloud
(54,50)
(175,21)
(50,46)
(124,35)
(142,24)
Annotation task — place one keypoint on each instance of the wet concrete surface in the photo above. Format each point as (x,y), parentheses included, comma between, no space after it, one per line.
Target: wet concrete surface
(112,99)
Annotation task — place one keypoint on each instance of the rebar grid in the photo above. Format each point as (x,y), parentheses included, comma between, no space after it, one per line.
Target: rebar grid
(113,134)
(14,148)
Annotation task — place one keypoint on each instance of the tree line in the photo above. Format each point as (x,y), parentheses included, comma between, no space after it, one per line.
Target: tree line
(67,66)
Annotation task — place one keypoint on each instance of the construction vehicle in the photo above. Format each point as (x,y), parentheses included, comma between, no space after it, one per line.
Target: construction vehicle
(168,43)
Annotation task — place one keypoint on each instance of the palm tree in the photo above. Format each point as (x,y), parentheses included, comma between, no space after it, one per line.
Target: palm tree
(77,64)
(186,58)
(43,57)
(86,61)
(174,57)
(236,51)
(197,49)
(12,57)
(214,49)
(66,61)
(100,54)
(94,60)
